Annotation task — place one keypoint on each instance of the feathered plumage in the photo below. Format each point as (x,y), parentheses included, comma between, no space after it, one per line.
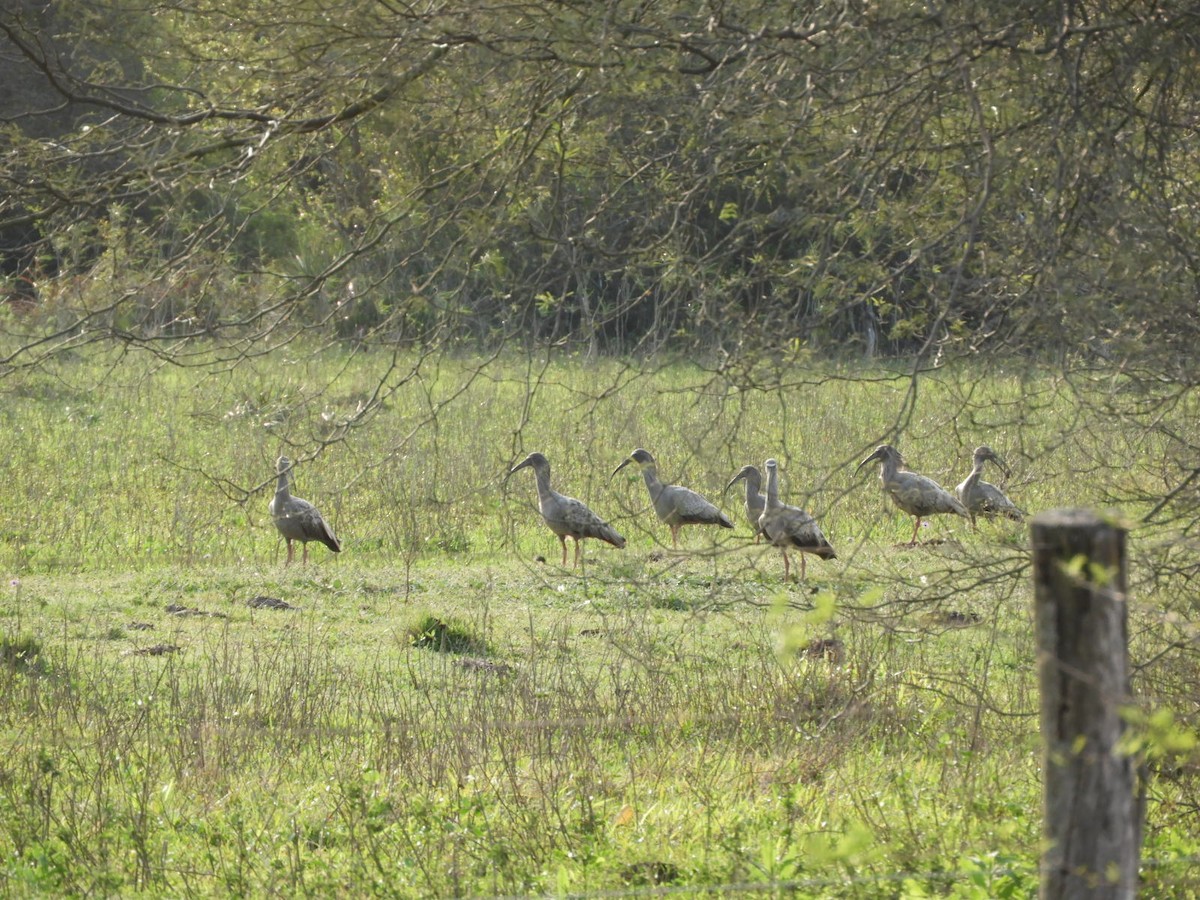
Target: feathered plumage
(296,519)
(675,505)
(790,526)
(566,516)
(914,494)
(984,499)
(755,499)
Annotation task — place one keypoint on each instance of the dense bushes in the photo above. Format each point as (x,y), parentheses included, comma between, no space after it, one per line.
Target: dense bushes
(838,179)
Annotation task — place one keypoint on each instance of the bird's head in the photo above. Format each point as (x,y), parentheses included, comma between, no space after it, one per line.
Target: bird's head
(639,456)
(749,474)
(537,460)
(985,452)
(882,454)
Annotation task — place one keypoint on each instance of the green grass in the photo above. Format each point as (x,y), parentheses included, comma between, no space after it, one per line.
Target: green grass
(442,714)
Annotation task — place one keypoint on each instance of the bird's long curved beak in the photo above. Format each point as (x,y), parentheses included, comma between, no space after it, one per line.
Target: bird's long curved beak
(734,480)
(627,461)
(871,458)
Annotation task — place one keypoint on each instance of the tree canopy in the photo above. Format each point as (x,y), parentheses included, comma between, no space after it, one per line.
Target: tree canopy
(887,177)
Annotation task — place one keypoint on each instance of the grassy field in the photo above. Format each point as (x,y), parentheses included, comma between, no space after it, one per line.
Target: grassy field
(442,710)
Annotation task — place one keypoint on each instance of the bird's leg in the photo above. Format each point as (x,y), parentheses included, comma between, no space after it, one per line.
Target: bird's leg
(305,553)
(291,552)
(916,528)
(786,565)
(578,551)
(675,537)
(562,539)
(802,565)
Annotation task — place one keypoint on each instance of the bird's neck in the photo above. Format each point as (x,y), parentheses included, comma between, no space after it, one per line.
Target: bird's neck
(281,485)
(972,479)
(976,473)
(888,467)
(542,476)
(772,489)
(650,474)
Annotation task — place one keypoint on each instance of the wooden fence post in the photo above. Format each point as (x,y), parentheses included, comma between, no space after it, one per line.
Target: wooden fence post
(1092,806)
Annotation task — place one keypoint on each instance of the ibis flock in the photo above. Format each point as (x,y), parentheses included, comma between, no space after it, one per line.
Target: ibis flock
(783,526)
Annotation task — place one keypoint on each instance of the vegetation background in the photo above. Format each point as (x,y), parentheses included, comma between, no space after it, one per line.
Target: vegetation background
(407,244)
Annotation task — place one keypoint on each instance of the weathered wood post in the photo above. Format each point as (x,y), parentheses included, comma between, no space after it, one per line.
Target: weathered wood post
(1093,813)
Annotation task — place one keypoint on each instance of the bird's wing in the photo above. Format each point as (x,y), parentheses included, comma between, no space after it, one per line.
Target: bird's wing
(918,495)
(686,507)
(792,526)
(299,520)
(573,517)
(989,499)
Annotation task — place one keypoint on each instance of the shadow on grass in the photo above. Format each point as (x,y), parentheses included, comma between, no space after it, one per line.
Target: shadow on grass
(445,636)
(22,654)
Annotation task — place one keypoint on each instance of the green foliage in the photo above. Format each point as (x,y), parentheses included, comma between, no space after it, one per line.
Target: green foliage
(433,633)
(655,720)
(864,180)
(20,653)
(748,203)
(406,455)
